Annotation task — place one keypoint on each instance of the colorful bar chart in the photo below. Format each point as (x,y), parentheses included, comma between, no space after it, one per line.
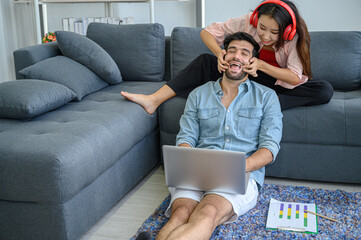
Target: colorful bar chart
(290,216)
(281,210)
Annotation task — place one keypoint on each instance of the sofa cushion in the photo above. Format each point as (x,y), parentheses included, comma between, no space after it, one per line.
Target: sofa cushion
(53,157)
(139,51)
(186,44)
(336,57)
(67,72)
(335,123)
(30,98)
(90,54)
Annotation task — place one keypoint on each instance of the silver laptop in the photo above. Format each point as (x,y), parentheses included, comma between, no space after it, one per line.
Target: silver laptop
(205,169)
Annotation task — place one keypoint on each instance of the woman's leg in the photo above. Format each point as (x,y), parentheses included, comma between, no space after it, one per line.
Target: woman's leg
(313,92)
(199,71)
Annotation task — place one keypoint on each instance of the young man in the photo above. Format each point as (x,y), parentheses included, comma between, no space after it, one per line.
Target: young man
(232,113)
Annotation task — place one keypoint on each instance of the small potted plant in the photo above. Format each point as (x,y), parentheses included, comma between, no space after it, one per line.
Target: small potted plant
(49,37)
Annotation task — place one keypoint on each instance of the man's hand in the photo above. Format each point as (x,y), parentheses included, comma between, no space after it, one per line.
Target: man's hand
(259,159)
(184,145)
(222,64)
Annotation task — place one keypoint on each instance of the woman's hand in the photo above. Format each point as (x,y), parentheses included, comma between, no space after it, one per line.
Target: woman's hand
(222,65)
(253,66)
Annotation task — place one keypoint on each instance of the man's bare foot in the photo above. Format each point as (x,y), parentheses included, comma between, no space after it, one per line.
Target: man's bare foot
(146,101)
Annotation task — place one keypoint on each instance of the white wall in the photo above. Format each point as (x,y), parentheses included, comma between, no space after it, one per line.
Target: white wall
(220,11)
(320,15)
(169,13)
(331,15)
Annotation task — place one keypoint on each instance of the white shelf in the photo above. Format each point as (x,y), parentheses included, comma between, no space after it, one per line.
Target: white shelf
(108,10)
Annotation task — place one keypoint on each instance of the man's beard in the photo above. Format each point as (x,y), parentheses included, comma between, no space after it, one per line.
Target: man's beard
(235,77)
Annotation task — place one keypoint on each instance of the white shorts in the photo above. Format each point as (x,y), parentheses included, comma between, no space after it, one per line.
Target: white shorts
(241,203)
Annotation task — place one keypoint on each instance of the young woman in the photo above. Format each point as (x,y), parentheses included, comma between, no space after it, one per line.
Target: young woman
(283,63)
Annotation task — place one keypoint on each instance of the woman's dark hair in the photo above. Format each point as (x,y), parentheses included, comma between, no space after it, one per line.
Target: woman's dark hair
(283,18)
(242,36)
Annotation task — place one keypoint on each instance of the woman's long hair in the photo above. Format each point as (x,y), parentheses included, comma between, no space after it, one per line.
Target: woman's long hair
(283,18)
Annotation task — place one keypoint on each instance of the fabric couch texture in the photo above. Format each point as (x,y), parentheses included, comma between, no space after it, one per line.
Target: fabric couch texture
(63,170)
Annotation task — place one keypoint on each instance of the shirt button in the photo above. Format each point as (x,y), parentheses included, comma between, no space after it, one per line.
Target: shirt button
(227,140)
(229,111)
(227,128)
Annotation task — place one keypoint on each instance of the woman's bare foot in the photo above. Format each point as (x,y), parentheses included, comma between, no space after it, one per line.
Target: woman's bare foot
(146,101)
(151,102)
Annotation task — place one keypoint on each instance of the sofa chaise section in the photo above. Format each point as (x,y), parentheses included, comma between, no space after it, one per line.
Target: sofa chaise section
(62,171)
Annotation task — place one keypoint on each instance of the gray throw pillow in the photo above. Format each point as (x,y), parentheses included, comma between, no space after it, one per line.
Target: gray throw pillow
(90,54)
(29,98)
(67,72)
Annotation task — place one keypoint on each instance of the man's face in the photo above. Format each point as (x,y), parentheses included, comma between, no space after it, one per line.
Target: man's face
(238,54)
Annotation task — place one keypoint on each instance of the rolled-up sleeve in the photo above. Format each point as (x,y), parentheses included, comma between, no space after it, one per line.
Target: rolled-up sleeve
(293,63)
(271,125)
(189,123)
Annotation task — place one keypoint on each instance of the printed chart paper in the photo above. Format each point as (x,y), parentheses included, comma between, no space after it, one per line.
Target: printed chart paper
(291,216)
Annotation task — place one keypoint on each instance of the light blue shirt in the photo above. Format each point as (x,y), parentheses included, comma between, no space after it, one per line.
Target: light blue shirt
(252,121)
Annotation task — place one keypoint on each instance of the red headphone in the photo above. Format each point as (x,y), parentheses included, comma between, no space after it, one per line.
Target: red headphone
(290,30)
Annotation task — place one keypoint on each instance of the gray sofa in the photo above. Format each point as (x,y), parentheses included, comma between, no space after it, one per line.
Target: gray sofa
(61,171)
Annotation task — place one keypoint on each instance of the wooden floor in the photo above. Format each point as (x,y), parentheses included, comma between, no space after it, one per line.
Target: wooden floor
(129,214)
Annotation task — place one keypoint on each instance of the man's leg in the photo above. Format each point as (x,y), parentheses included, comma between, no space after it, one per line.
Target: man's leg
(182,208)
(212,211)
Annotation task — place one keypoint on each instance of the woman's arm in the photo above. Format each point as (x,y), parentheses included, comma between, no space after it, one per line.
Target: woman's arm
(283,74)
(210,41)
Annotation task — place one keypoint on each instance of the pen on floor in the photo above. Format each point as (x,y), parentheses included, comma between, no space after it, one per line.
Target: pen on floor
(321,216)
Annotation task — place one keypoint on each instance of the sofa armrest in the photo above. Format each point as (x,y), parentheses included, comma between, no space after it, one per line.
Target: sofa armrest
(28,56)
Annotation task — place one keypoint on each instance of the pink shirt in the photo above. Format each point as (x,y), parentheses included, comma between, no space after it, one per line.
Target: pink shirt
(286,56)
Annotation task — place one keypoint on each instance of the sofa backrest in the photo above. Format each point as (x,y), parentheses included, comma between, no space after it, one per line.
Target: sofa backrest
(185,45)
(137,49)
(336,57)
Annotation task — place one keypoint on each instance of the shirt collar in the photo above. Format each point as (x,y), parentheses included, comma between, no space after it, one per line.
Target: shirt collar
(245,86)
